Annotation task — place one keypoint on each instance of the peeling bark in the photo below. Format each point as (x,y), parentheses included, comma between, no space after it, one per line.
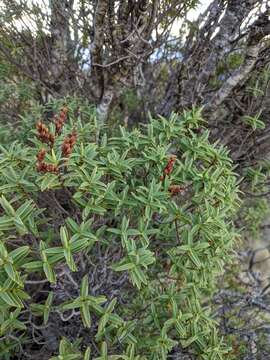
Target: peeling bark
(259,30)
(103,107)
(217,31)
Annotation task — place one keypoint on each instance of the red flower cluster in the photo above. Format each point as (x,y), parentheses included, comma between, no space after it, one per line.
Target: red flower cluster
(42,166)
(60,120)
(176,189)
(44,134)
(41,155)
(48,138)
(47,168)
(169,167)
(68,144)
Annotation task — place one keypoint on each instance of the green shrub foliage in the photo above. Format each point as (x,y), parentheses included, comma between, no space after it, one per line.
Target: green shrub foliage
(110,249)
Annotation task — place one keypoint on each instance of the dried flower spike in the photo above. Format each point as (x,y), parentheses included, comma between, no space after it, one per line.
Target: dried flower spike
(41,155)
(60,120)
(68,144)
(176,189)
(169,167)
(44,134)
(46,168)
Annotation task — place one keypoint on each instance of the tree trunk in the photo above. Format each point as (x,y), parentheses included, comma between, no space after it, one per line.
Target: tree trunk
(61,51)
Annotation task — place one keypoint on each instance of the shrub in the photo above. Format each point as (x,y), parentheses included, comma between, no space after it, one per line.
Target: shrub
(110,249)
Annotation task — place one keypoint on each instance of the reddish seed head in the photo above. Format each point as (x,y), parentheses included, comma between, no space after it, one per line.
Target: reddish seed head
(72,140)
(68,144)
(39,125)
(51,138)
(64,110)
(60,120)
(169,167)
(50,168)
(175,189)
(66,148)
(41,155)
(44,167)
(39,167)
(44,134)
(62,116)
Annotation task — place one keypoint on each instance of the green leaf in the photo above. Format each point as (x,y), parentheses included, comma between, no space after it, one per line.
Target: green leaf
(20,227)
(73,304)
(33,265)
(47,308)
(87,354)
(25,210)
(12,273)
(6,223)
(7,206)
(50,275)
(11,299)
(123,267)
(20,253)
(84,287)
(64,236)
(49,181)
(194,258)
(85,313)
